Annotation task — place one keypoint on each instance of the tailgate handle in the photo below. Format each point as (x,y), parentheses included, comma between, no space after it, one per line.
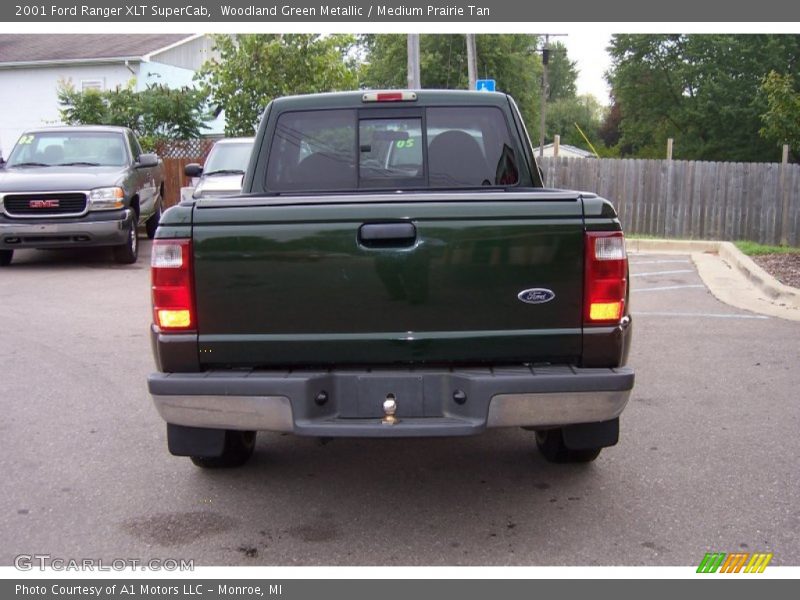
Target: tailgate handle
(387,235)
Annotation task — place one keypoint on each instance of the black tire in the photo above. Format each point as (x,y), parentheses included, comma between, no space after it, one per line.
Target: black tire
(127,253)
(552,447)
(152,223)
(5,257)
(239,446)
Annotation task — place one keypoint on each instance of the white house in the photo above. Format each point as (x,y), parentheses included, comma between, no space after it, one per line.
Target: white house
(564,150)
(32,65)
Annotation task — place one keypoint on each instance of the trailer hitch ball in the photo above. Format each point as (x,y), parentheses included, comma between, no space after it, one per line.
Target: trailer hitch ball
(389,410)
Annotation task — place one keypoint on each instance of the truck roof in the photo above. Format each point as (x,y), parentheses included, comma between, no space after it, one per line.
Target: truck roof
(355,99)
(234,140)
(66,128)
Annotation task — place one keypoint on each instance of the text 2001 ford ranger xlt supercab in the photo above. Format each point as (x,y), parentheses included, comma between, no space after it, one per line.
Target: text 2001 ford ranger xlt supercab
(393,268)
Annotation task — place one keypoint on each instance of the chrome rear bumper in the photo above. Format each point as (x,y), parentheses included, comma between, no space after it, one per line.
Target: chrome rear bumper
(429,402)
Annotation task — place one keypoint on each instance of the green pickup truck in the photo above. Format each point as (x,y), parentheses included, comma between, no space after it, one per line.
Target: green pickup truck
(394,267)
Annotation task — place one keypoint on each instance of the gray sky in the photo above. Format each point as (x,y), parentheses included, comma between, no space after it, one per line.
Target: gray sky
(588,48)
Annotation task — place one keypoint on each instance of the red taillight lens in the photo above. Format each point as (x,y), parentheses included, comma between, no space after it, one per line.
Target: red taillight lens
(606,279)
(399,96)
(171,276)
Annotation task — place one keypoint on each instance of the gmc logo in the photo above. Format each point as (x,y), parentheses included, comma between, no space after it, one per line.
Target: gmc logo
(44,204)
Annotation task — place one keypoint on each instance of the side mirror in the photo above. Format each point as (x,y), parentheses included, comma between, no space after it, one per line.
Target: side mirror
(193,170)
(147,160)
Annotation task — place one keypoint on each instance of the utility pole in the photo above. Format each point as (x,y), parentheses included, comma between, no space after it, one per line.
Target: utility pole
(413,62)
(545,92)
(546,52)
(472,62)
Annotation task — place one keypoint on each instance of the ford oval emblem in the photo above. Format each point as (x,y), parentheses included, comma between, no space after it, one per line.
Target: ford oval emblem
(536,296)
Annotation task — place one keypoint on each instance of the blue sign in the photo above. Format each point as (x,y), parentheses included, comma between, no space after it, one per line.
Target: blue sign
(485,85)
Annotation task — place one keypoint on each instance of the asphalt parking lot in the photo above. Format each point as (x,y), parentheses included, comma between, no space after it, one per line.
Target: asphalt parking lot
(707,459)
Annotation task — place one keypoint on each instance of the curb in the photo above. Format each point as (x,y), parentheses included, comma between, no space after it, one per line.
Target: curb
(766,283)
(673,246)
(770,286)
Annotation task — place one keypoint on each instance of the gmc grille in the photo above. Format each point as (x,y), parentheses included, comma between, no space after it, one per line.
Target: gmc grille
(52,204)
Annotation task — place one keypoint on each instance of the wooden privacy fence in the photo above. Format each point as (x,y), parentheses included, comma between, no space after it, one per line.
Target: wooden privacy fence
(176,155)
(690,199)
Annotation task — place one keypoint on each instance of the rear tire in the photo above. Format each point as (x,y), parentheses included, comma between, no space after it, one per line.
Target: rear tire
(152,223)
(5,257)
(552,447)
(127,253)
(239,446)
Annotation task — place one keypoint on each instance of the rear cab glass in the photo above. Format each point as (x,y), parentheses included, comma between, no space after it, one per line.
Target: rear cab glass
(392,149)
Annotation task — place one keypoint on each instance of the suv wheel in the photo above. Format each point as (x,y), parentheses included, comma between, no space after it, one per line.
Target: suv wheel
(128,252)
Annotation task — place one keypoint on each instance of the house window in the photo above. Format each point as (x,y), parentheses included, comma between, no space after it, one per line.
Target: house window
(92,84)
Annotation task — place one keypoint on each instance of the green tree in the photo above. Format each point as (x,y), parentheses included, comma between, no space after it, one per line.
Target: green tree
(563,115)
(782,117)
(562,74)
(155,113)
(609,130)
(510,59)
(255,68)
(88,107)
(701,90)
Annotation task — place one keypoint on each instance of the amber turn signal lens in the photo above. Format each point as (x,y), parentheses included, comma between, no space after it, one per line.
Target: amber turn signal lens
(605,311)
(171,319)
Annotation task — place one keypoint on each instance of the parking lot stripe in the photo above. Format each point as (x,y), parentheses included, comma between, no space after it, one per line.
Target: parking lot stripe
(704,315)
(662,273)
(668,287)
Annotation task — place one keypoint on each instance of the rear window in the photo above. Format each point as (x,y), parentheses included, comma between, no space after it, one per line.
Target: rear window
(313,150)
(470,146)
(340,150)
(390,153)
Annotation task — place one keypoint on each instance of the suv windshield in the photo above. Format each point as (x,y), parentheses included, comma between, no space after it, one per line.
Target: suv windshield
(339,150)
(52,148)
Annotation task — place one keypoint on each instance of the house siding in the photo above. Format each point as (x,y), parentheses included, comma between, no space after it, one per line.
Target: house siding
(189,55)
(29,97)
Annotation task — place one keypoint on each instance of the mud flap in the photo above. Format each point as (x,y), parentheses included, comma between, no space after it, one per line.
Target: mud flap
(195,441)
(585,436)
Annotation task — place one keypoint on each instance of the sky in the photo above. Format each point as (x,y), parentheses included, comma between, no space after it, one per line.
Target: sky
(588,48)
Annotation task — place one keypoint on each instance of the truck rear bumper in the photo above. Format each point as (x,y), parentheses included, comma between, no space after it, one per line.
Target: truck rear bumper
(93,230)
(429,402)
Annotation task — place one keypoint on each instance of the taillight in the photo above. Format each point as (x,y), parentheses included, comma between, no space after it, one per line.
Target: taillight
(606,278)
(171,276)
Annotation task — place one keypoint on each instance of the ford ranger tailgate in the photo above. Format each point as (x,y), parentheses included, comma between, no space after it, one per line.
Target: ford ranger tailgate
(377,279)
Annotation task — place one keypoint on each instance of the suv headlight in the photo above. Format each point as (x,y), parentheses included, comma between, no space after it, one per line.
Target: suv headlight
(107,198)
